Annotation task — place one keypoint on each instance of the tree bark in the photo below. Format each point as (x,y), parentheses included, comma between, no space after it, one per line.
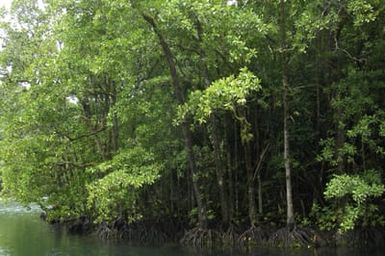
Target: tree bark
(285,84)
(202,211)
(286,154)
(246,143)
(250,185)
(257,174)
(214,122)
(260,196)
(220,168)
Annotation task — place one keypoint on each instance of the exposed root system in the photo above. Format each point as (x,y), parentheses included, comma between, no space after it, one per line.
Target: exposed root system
(105,232)
(362,237)
(255,235)
(230,236)
(199,238)
(136,234)
(293,238)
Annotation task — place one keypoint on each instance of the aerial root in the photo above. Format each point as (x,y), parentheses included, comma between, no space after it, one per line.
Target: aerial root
(137,234)
(199,238)
(362,237)
(230,236)
(150,235)
(255,235)
(105,232)
(294,238)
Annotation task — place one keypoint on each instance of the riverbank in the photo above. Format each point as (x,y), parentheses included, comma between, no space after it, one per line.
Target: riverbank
(177,231)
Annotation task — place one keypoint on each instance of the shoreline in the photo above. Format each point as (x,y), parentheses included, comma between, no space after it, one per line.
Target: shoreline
(154,233)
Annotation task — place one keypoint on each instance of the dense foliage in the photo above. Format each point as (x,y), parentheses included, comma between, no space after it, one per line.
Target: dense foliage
(214,112)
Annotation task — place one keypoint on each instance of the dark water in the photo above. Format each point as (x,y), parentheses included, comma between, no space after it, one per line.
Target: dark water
(22,233)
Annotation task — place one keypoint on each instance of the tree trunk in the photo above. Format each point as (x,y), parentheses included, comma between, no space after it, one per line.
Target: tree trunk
(236,167)
(115,121)
(202,211)
(214,122)
(340,137)
(230,167)
(257,174)
(286,154)
(250,185)
(230,208)
(260,197)
(285,84)
(246,143)
(220,168)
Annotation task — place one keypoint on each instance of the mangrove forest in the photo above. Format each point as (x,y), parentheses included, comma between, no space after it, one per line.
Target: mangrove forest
(204,122)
